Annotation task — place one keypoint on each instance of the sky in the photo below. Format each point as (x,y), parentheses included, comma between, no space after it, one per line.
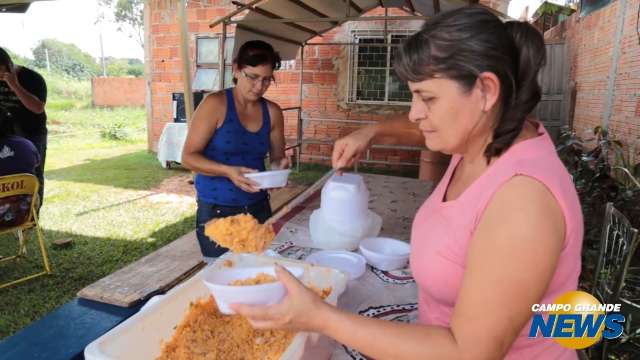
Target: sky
(69,21)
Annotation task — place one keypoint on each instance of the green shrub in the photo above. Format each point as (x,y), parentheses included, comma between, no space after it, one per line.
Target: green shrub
(61,104)
(115,131)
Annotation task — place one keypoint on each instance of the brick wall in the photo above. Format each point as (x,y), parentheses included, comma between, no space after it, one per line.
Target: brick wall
(165,68)
(591,47)
(327,112)
(117,91)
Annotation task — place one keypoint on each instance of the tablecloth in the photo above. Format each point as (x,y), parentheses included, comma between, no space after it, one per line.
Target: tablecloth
(389,295)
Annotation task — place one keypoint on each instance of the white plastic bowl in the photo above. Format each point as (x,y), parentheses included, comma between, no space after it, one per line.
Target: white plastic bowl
(352,264)
(385,253)
(264,294)
(345,200)
(270,179)
(325,234)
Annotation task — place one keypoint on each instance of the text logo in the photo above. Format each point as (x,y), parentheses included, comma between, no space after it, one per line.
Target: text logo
(576,320)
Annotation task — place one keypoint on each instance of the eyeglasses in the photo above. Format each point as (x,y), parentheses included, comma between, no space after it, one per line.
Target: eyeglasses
(255,79)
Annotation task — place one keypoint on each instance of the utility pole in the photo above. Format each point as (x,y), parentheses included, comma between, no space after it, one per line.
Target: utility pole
(46,55)
(104,66)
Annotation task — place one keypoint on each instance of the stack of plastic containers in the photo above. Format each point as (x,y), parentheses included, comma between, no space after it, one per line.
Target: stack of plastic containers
(344,218)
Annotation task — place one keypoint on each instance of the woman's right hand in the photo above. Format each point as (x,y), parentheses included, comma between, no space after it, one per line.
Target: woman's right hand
(350,148)
(236,175)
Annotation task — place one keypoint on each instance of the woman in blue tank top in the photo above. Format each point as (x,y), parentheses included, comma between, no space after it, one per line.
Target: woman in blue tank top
(230,135)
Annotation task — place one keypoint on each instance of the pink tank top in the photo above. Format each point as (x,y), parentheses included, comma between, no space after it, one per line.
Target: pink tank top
(442,230)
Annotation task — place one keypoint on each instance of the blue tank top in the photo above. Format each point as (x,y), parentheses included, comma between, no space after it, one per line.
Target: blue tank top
(232,144)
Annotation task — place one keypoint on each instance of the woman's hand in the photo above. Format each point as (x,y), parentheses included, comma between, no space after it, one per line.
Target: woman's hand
(301,309)
(350,148)
(236,175)
(281,164)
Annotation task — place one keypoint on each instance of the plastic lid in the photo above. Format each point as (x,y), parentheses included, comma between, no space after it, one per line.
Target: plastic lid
(348,262)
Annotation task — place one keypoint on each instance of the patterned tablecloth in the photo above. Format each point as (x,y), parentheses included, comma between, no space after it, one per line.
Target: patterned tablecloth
(390,295)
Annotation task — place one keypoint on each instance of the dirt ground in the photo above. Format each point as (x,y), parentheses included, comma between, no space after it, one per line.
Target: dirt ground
(179,185)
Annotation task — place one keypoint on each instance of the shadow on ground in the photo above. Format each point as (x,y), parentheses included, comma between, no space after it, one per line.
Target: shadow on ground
(87,260)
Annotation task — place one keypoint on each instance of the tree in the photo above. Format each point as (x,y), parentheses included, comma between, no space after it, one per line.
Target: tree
(64,58)
(124,67)
(19,60)
(129,15)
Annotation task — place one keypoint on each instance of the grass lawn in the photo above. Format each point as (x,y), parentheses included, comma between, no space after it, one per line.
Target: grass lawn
(98,193)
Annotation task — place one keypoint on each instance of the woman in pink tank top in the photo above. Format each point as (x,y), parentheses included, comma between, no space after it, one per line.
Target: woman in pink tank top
(503,228)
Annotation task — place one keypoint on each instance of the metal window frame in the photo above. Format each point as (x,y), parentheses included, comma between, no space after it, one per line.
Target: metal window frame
(353,63)
(214,65)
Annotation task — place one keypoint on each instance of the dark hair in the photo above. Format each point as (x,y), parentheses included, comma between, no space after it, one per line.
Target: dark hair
(257,52)
(5,59)
(461,44)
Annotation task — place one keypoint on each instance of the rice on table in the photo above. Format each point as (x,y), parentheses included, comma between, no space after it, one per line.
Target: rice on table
(205,333)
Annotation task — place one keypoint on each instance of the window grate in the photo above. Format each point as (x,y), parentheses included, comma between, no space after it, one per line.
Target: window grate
(373,79)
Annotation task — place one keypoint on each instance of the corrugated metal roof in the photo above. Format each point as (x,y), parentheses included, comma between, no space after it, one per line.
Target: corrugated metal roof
(16,6)
(287,24)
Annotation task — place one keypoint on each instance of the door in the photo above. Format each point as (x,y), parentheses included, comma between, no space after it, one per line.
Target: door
(553,109)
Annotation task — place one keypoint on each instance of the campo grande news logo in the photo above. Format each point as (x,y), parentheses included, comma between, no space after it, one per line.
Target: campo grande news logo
(576,320)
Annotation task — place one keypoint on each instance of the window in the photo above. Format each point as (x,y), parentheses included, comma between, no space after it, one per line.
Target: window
(207,63)
(373,79)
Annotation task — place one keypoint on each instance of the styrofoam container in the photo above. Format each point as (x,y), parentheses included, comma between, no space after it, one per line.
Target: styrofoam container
(345,200)
(385,253)
(139,337)
(325,234)
(270,179)
(218,280)
(348,262)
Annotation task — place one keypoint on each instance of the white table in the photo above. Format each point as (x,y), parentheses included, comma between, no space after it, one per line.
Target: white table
(171,143)
(390,295)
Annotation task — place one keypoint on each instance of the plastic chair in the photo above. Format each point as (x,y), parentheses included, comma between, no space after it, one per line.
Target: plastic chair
(18,212)
(617,247)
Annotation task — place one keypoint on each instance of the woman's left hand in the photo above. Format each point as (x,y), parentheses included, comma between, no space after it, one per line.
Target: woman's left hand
(300,310)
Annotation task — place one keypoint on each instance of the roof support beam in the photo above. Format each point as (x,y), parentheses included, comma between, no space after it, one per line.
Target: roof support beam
(234,13)
(328,19)
(264,33)
(274,16)
(436,6)
(411,7)
(355,6)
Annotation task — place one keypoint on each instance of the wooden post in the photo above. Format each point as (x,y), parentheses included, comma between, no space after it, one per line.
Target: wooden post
(221,65)
(186,63)
(148,104)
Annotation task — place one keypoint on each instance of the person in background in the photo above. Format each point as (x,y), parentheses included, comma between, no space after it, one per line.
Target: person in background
(23,95)
(500,232)
(230,135)
(17,154)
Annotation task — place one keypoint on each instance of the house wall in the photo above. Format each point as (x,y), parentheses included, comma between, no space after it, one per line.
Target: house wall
(117,91)
(327,112)
(595,58)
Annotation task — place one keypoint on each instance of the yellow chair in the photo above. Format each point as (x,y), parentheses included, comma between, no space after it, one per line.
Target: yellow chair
(18,212)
